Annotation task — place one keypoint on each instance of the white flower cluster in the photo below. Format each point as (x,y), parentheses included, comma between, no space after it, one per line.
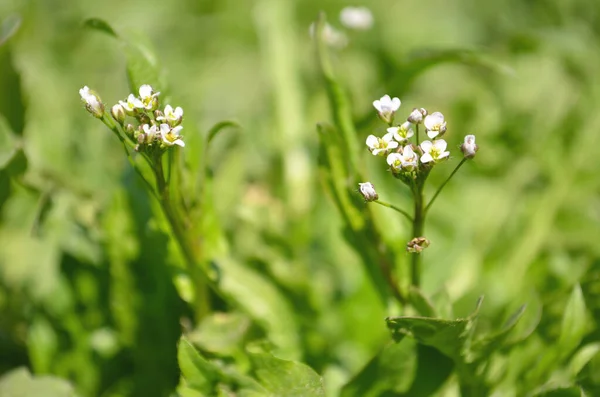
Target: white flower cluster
(155,127)
(405,157)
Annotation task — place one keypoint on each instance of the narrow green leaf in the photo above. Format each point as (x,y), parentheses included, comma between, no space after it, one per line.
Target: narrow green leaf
(101,26)
(487,345)
(574,323)
(286,378)
(582,357)
(215,129)
(573,391)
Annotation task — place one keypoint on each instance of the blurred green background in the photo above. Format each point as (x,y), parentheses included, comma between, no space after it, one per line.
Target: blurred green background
(89,282)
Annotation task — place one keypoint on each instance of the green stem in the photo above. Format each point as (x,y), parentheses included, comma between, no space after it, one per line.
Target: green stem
(417,133)
(199,279)
(394,208)
(418,226)
(444,184)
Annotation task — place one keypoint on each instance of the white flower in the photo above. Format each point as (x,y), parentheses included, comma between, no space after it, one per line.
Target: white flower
(148,97)
(435,151)
(381,146)
(131,104)
(359,18)
(368,191)
(406,160)
(93,104)
(150,132)
(173,117)
(331,36)
(435,125)
(386,107)
(401,132)
(469,148)
(170,136)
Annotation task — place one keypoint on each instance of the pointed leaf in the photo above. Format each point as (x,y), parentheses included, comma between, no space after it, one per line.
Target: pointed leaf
(199,374)
(486,346)
(100,25)
(286,378)
(215,129)
(574,323)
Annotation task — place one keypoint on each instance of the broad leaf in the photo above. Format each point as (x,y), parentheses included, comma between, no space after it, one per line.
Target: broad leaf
(20,383)
(286,378)
(448,336)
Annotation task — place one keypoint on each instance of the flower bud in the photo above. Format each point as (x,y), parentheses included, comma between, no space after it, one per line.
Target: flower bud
(368,191)
(469,148)
(417,245)
(118,113)
(93,103)
(130,130)
(417,115)
(141,138)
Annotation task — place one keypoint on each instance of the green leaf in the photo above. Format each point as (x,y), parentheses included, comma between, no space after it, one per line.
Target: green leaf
(100,25)
(560,392)
(8,143)
(448,336)
(269,308)
(20,383)
(574,323)
(220,333)
(199,374)
(286,378)
(392,369)
(487,345)
(142,63)
(215,129)
(582,357)
(433,369)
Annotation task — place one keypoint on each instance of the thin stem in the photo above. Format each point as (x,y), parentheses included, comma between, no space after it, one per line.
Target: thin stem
(418,226)
(394,208)
(198,277)
(417,133)
(444,184)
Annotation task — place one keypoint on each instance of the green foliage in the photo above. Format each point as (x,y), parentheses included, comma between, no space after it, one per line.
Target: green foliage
(289,278)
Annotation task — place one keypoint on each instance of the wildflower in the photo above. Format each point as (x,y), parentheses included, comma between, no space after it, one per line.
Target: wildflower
(435,125)
(131,105)
(435,151)
(402,132)
(417,115)
(148,97)
(172,117)
(170,136)
(469,148)
(381,146)
(406,160)
(150,133)
(118,113)
(386,107)
(359,18)
(417,245)
(368,191)
(92,101)
(330,35)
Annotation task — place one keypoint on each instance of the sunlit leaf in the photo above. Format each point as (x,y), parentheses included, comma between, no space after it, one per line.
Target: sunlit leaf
(286,378)
(19,382)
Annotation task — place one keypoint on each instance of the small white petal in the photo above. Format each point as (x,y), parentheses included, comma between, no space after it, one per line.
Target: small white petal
(440,145)
(372,141)
(388,137)
(392,145)
(377,151)
(393,157)
(176,130)
(179,142)
(396,104)
(178,111)
(426,146)
(377,105)
(426,158)
(432,133)
(145,91)
(442,155)
(168,109)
